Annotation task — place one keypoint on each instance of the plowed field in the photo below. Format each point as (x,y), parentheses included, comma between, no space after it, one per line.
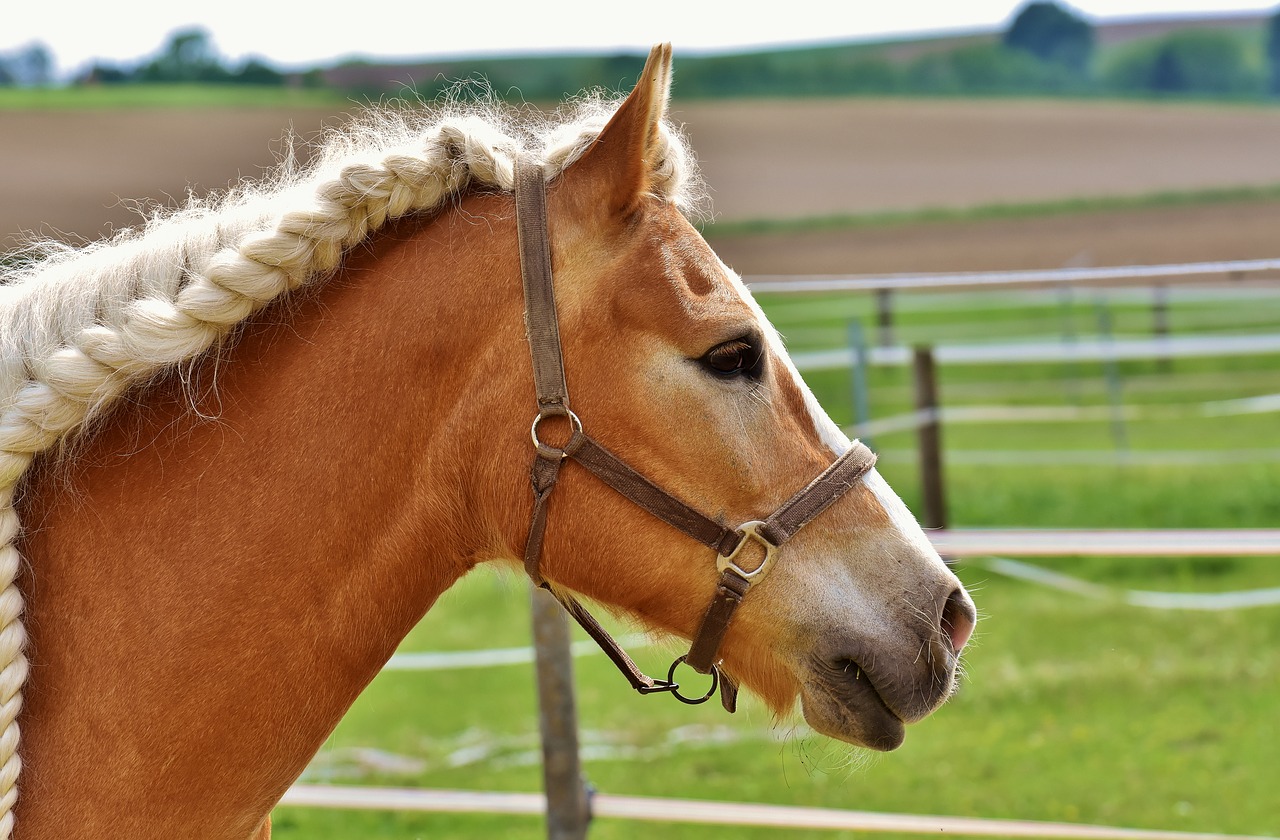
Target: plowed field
(78,173)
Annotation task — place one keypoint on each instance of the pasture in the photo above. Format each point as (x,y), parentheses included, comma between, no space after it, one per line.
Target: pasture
(1073,709)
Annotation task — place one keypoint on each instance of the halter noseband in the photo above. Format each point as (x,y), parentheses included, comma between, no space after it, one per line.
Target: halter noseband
(769,534)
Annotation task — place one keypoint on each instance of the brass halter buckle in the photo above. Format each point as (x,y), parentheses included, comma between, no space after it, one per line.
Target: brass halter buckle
(750,533)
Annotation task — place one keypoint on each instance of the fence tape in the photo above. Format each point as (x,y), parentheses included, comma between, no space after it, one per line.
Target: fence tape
(1052,276)
(605,805)
(1205,601)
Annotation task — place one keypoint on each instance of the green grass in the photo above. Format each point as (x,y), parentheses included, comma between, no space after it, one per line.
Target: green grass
(1073,709)
(109,97)
(993,212)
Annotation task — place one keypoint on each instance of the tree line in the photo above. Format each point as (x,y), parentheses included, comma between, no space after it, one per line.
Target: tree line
(1048,48)
(187,57)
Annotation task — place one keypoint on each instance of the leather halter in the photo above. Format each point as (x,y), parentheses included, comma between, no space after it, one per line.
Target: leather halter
(769,534)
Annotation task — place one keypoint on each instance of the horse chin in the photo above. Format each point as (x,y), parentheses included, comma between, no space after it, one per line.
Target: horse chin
(839,700)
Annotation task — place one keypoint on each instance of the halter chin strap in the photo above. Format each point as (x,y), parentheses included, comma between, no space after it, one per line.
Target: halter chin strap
(732,545)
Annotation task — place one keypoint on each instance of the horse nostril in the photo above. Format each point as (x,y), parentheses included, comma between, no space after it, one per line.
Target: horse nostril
(958,618)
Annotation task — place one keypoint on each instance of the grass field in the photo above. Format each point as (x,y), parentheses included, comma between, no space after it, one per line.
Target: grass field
(169,97)
(1073,709)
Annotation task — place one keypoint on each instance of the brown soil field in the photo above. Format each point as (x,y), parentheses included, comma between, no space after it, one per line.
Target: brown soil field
(80,173)
(1211,232)
(820,157)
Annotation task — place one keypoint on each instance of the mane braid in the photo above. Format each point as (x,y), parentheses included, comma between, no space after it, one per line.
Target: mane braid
(80,327)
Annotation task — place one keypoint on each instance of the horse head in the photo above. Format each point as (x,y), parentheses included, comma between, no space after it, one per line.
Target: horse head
(676,369)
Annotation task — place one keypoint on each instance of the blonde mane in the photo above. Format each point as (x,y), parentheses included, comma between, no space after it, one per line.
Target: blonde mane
(78,327)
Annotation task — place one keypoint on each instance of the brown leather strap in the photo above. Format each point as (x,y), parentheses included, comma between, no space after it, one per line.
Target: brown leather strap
(730,591)
(543,476)
(639,680)
(542,327)
(540,319)
(617,474)
(831,484)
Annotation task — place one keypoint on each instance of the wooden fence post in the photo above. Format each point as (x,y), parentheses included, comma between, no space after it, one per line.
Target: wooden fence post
(884,317)
(568,799)
(1160,323)
(1115,386)
(929,436)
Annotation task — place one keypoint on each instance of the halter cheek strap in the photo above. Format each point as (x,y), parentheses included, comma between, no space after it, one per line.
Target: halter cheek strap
(730,544)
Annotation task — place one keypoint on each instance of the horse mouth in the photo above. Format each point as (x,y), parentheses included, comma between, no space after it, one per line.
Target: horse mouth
(840,700)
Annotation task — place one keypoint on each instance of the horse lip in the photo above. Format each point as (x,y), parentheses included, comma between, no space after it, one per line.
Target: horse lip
(855,710)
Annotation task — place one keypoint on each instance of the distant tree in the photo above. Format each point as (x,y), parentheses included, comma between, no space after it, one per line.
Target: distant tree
(1052,33)
(1201,61)
(188,56)
(616,69)
(104,74)
(258,72)
(992,68)
(28,65)
(1273,51)
(314,79)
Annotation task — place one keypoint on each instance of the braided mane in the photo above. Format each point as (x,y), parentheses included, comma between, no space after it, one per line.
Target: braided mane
(79,327)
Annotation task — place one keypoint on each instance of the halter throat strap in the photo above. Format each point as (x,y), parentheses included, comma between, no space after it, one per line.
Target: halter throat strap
(736,576)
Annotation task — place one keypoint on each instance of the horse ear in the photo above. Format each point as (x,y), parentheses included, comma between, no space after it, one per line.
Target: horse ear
(621,160)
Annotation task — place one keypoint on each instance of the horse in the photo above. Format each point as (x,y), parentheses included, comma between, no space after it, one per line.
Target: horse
(245,447)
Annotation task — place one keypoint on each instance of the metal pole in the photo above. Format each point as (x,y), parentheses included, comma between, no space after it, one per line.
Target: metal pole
(884,316)
(1066,308)
(568,800)
(1160,319)
(929,436)
(1115,388)
(861,400)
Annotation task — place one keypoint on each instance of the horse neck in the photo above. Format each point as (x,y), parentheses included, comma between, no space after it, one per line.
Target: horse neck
(254,570)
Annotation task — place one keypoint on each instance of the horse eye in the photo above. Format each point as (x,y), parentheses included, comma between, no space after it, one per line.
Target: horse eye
(740,357)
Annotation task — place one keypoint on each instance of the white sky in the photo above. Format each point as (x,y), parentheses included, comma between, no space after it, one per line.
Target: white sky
(299,32)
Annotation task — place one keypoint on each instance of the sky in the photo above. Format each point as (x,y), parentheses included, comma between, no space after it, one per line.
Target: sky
(283,32)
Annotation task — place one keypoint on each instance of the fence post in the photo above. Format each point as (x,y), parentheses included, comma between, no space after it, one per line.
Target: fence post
(1115,386)
(1160,323)
(568,799)
(929,436)
(884,316)
(1066,307)
(861,398)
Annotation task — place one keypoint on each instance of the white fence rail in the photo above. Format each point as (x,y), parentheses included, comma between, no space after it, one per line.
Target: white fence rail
(1193,542)
(1126,274)
(652,809)
(1030,352)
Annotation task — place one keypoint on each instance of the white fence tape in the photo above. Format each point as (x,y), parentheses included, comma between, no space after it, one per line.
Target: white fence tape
(654,809)
(978,279)
(1034,352)
(1204,601)
(1037,542)
(453,659)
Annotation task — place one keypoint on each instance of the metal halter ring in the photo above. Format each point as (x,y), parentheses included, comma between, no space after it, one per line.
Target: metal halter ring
(554,452)
(675,687)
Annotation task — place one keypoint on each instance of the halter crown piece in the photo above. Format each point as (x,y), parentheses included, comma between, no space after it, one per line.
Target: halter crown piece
(553,401)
